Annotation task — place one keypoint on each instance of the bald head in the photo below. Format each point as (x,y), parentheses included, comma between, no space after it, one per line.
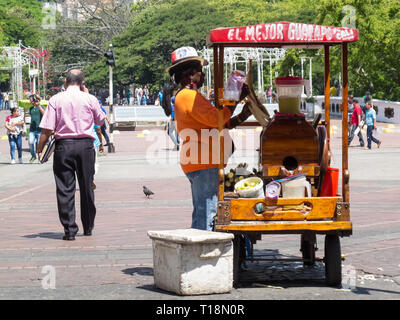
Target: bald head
(74,77)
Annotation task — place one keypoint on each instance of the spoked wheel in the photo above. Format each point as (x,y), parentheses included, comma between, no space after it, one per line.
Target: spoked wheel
(239,254)
(307,248)
(333,260)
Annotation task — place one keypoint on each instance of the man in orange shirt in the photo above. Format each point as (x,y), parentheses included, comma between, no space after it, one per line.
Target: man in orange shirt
(197,123)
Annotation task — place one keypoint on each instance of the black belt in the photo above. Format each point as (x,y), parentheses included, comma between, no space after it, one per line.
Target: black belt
(74,139)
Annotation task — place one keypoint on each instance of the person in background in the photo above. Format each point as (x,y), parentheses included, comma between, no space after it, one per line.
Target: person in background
(269,94)
(14,125)
(172,132)
(195,114)
(36,112)
(211,96)
(366,98)
(6,98)
(71,115)
(356,123)
(98,147)
(139,95)
(118,99)
(160,97)
(145,95)
(370,120)
(350,112)
(274,97)
(1,101)
(333,91)
(104,125)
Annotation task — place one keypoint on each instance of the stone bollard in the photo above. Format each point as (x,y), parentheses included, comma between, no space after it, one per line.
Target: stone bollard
(192,262)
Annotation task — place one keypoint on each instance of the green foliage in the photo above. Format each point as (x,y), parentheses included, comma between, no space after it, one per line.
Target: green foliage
(20,20)
(143,51)
(373,61)
(158,27)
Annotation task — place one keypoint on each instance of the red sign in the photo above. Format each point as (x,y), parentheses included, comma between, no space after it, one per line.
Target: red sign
(285,32)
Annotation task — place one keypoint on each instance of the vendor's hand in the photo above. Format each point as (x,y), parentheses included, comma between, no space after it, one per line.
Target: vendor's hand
(245,92)
(246,109)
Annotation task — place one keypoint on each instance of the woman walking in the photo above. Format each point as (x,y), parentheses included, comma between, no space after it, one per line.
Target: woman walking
(14,125)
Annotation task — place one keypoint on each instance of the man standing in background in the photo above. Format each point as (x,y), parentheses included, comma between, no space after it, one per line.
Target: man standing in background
(71,115)
(36,112)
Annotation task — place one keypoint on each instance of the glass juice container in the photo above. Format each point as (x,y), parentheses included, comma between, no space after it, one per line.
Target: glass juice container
(289,90)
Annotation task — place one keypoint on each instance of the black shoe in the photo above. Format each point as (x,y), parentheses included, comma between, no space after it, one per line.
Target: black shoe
(87,233)
(68,237)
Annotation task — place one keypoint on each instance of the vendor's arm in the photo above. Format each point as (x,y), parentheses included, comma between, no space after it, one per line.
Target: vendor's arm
(240,118)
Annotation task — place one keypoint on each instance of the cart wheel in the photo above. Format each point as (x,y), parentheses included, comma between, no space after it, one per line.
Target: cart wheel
(239,253)
(307,249)
(333,261)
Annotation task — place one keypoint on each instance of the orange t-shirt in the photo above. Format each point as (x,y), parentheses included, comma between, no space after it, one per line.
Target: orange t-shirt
(197,124)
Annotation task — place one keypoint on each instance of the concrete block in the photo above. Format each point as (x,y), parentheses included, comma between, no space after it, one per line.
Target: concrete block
(192,262)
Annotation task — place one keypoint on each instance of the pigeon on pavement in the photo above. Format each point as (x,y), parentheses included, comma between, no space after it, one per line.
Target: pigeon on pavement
(147,192)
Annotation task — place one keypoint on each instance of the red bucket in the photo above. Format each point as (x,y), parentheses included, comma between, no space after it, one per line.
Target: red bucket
(330,184)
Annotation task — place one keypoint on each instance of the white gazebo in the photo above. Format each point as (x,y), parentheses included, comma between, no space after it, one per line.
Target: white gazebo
(239,57)
(14,58)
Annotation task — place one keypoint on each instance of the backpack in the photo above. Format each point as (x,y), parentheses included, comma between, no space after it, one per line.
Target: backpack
(167,94)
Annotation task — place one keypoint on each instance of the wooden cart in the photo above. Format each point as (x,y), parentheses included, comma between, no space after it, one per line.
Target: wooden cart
(307,143)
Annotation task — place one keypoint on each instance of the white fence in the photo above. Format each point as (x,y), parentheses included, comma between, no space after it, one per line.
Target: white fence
(155,114)
(388,111)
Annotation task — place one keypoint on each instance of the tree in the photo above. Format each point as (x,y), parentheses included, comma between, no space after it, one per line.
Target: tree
(82,42)
(20,20)
(373,61)
(143,51)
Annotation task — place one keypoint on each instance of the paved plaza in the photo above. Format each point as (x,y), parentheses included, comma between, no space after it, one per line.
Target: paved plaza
(116,262)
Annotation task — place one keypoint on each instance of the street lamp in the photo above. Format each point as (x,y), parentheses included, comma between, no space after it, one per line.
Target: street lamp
(111,63)
(310,71)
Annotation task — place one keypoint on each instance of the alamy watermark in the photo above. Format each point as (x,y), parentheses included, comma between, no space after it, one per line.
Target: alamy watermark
(49,280)
(200,147)
(349,20)
(50,18)
(349,277)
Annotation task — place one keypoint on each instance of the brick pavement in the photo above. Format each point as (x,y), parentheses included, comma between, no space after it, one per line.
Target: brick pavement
(119,253)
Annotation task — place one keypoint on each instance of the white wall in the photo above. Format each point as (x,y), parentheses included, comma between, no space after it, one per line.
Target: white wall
(381,104)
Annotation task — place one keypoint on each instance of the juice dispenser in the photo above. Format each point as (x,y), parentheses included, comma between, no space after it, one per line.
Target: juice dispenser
(289,91)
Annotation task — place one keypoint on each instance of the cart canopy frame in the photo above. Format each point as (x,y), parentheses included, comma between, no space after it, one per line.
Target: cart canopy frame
(288,35)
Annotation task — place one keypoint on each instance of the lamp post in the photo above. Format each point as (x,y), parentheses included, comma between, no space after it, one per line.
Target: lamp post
(111,63)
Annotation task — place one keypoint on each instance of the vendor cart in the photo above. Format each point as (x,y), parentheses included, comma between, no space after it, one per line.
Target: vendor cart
(288,141)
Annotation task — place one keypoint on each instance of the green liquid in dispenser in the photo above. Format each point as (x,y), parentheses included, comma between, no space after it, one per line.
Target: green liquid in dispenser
(289,104)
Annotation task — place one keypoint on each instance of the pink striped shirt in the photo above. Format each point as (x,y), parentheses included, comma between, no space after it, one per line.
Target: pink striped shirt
(72,114)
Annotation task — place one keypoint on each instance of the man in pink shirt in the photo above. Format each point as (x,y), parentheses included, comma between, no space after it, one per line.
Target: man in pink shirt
(71,115)
(356,123)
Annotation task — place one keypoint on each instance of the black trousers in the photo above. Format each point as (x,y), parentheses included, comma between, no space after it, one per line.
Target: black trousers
(74,156)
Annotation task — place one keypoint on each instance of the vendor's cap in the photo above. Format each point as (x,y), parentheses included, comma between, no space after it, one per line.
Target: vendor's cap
(182,55)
